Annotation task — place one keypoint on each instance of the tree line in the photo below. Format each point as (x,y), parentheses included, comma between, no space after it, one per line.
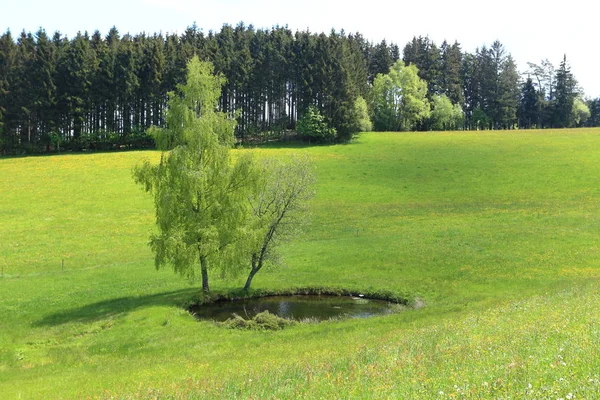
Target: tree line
(95,92)
(493,94)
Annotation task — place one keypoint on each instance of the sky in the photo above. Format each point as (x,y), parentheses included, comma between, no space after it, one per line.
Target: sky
(531,30)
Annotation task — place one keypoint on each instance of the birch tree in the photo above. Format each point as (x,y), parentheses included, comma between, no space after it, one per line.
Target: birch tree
(198,191)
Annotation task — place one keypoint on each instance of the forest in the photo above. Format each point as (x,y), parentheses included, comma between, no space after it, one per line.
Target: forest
(104,92)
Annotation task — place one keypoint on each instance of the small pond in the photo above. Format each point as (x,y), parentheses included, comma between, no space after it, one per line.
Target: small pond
(297,307)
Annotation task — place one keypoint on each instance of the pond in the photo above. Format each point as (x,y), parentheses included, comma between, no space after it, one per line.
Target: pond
(298,307)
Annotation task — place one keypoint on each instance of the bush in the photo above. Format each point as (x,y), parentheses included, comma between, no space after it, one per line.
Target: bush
(361,120)
(313,127)
(261,321)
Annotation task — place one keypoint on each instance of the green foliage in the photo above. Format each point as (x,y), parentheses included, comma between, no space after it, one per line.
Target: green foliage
(450,79)
(399,99)
(458,117)
(313,127)
(529,105)
(580,112)
(594,107)
(441,114)
(492,86)
(361,120)
(565,93)
(92,88)
(425,55)
(445,115)
(198,192)
(480,120)
(508,99)
(279,207)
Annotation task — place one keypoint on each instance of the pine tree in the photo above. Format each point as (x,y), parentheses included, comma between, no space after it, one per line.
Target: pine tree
(74,77)
(594,106)
(508,94)
(471,85)
(451,83)
(125,84)
(41,75)
(381,60)
(528,106)
(240,74)
(22,100)
(151,68)
(565,92)
(7,64)
(425,55)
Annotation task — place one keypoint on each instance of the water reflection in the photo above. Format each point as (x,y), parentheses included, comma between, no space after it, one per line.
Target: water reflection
(296,307)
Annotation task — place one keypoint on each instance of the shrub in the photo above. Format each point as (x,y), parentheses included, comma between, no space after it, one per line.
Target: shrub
(313,127)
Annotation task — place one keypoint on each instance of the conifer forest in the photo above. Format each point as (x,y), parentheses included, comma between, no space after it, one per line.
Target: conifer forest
(104,91)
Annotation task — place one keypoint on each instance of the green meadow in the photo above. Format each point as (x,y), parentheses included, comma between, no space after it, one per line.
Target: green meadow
(496,233)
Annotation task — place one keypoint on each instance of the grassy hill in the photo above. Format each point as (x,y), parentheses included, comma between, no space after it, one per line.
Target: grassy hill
(498,233)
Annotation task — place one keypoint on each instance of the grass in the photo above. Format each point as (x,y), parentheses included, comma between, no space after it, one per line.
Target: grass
(496,232)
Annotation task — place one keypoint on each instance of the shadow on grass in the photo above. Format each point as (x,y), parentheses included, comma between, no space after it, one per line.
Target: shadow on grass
(113,307)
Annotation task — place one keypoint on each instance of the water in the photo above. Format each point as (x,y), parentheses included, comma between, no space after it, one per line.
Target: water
(298,307)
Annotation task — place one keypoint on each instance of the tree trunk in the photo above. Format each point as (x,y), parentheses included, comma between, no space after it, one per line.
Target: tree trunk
(203,267)
(249,280)
(256,265)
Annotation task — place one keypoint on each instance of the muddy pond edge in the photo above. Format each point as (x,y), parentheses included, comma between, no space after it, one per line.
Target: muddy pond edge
(410,301)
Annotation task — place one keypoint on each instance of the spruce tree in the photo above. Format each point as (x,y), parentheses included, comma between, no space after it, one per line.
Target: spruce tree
(565,92)
(528,105)
(7,64)
(508,94)
(451,83)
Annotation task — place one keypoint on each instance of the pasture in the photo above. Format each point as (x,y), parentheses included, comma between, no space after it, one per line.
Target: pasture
(496,232)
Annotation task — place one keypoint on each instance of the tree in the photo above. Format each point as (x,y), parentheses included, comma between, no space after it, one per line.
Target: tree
(445,115)
(594,107)
(279,205)
(565,91)
(361,122)
(580,113)
(312,126)
(508,95)
(528,106)
(450,79)
(381,60)
(198,191)
(7,62)
(424,53)
(399,99)
(480,120)
(125,83)
(544,74)
(74,72)
(469,74)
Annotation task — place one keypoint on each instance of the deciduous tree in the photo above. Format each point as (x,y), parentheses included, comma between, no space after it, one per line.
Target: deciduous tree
(399,99)
(279,206)
(198,192)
